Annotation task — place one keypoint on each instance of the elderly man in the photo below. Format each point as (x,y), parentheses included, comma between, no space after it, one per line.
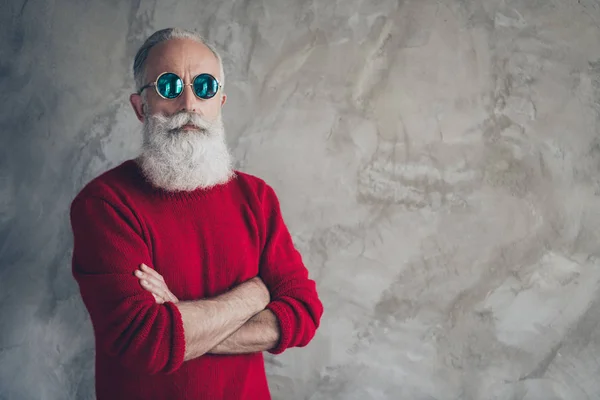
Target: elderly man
(185,266)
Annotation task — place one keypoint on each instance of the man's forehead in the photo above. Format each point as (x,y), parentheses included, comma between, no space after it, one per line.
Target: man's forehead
(181,56)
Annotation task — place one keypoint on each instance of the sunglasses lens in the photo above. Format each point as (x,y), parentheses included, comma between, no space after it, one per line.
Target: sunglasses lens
(169,85)
(205,86)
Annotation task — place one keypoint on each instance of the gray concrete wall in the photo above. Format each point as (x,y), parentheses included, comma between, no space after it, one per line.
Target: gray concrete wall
(437,162)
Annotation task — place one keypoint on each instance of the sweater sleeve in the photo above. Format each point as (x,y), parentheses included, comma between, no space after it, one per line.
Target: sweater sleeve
(128,324)
(294,298)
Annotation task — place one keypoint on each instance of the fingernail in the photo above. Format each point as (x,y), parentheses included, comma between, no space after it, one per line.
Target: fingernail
(138,273)
(144,282)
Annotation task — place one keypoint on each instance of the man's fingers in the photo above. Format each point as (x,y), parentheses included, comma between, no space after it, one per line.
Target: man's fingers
(149,277)
(155,290)
(158,289)
(153,282)
(152,272)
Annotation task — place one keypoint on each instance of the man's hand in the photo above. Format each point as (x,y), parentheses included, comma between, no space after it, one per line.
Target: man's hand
(153,282)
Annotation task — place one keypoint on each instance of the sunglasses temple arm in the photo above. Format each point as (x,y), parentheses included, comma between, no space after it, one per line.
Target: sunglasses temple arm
(145,87)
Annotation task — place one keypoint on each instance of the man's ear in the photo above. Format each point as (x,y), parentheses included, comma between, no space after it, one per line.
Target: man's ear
(138,106)
(223,99)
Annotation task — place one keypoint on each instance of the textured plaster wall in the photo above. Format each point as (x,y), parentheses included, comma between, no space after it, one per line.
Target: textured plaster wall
(437,163)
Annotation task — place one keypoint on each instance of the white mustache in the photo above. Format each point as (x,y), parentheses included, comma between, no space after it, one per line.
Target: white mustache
(177,121)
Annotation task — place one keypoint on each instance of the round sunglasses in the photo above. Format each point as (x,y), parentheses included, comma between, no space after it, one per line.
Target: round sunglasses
(170,86)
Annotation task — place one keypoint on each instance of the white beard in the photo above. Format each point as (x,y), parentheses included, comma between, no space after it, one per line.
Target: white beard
(178,160)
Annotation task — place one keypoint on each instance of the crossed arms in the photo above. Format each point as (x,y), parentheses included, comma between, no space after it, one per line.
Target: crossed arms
(235,322)
(275,311)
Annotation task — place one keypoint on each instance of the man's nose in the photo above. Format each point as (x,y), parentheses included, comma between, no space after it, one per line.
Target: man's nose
(189,101)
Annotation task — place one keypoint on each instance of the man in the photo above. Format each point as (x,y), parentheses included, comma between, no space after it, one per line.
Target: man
(186,267)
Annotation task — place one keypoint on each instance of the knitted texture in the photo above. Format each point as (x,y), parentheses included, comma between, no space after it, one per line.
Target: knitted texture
(203,243)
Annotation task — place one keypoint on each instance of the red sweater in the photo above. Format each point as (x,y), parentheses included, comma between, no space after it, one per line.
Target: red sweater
(203,243)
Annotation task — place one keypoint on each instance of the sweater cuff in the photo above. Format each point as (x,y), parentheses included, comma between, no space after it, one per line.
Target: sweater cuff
(177,340)
(281,311)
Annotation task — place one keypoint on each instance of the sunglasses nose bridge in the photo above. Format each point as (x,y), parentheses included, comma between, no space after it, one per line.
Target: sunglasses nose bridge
(187,98)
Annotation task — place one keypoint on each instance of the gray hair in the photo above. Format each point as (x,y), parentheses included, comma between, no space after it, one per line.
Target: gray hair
(139,63)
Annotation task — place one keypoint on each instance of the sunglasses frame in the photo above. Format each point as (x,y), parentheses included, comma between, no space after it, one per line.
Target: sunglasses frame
(155,83)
